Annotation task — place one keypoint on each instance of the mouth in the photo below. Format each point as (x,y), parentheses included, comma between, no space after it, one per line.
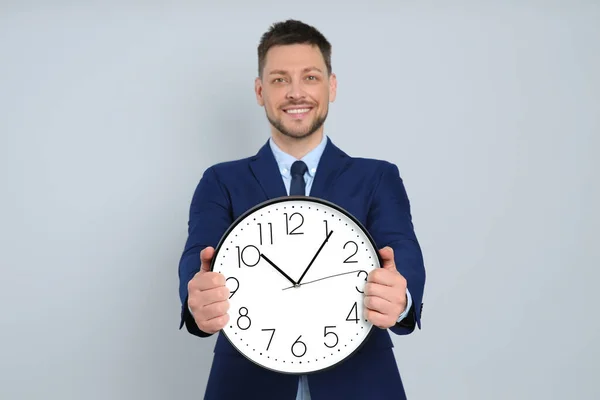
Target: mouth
(298,112)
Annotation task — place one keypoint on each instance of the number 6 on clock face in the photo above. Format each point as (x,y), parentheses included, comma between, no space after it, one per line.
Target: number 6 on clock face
(296,268)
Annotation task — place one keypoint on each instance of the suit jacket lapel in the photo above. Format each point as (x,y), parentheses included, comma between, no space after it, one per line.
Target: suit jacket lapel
(265,170)
(333,163)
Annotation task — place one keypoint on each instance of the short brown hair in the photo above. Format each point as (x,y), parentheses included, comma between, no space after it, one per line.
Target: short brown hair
(292,32)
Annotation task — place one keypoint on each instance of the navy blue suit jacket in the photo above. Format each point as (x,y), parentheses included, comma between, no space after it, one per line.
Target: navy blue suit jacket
(371,190)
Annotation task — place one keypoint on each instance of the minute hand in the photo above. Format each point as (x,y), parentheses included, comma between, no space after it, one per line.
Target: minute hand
(315,257)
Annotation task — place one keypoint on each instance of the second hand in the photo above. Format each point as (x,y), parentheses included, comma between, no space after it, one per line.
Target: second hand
(320,279)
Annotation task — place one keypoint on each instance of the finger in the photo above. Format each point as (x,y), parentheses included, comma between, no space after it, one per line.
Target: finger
(389,293)
(214,295)
(383,277)
(206,256)
(380,305)
(214,325)
(213,310)
(208,280)
(200,300)
(376,318)
(387,258)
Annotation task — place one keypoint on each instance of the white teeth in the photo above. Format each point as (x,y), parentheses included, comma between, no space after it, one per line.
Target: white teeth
(298,111)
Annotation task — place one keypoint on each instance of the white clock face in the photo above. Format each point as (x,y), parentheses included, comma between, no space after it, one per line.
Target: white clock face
(296,270)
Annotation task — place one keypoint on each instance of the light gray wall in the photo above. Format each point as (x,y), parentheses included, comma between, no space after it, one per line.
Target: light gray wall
(109,115)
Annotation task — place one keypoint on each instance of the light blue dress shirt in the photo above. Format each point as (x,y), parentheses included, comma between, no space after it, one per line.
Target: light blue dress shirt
(285,161)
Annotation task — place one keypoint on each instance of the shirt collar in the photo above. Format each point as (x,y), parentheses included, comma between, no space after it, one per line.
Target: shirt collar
(285,161)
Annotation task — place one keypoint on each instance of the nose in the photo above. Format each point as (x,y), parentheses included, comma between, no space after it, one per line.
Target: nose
(295,91)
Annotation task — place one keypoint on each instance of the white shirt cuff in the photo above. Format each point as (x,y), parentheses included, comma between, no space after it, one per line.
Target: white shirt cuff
(408,305)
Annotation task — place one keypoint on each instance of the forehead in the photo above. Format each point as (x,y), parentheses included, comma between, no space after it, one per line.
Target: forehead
(295,57)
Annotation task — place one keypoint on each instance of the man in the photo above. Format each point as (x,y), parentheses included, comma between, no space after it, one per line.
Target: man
(295,84)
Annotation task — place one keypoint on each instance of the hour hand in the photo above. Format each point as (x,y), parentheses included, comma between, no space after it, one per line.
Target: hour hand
(278,269)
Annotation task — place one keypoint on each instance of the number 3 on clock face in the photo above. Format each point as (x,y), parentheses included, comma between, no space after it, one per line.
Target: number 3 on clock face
(296,268)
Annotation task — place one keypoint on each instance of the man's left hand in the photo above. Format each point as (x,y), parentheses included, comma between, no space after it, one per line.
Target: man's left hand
(385,292)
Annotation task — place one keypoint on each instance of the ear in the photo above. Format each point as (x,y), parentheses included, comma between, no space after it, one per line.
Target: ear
(332,87)
(258,90)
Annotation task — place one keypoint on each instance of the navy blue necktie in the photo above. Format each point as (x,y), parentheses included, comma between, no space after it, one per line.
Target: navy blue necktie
(298,187)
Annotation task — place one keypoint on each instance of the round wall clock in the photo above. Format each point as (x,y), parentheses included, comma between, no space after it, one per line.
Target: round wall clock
(296,267)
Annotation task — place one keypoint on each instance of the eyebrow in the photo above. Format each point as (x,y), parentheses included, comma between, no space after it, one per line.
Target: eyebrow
(283,72)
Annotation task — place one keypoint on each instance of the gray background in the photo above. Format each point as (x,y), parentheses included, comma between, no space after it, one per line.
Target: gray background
(109,115)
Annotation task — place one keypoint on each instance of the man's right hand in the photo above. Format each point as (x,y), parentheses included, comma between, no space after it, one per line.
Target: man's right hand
(208,297)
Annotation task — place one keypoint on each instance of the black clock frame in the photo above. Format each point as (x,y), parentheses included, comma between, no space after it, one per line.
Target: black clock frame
(284,199)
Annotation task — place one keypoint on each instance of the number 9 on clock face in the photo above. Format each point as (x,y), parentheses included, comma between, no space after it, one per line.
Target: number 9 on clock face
(296,268)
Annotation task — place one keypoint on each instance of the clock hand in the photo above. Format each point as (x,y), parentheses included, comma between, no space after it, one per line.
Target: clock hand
(315,257)
(327,277)
(278,269)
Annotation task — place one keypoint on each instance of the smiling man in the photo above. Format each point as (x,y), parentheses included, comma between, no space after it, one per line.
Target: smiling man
(295,86)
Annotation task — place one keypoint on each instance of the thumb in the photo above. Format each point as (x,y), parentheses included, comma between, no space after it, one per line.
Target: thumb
(387,258)
(206,256)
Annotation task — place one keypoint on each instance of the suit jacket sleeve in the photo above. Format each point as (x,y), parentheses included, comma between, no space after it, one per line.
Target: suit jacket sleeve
(390,223)
(209,218)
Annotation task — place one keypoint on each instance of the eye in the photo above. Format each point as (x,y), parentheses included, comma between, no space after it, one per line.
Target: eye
(311,78)
(278,80)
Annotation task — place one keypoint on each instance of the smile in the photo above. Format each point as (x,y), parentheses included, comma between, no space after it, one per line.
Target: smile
(298,110)
(298,113)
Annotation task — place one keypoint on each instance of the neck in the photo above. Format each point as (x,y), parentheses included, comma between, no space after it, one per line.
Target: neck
(297,147)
